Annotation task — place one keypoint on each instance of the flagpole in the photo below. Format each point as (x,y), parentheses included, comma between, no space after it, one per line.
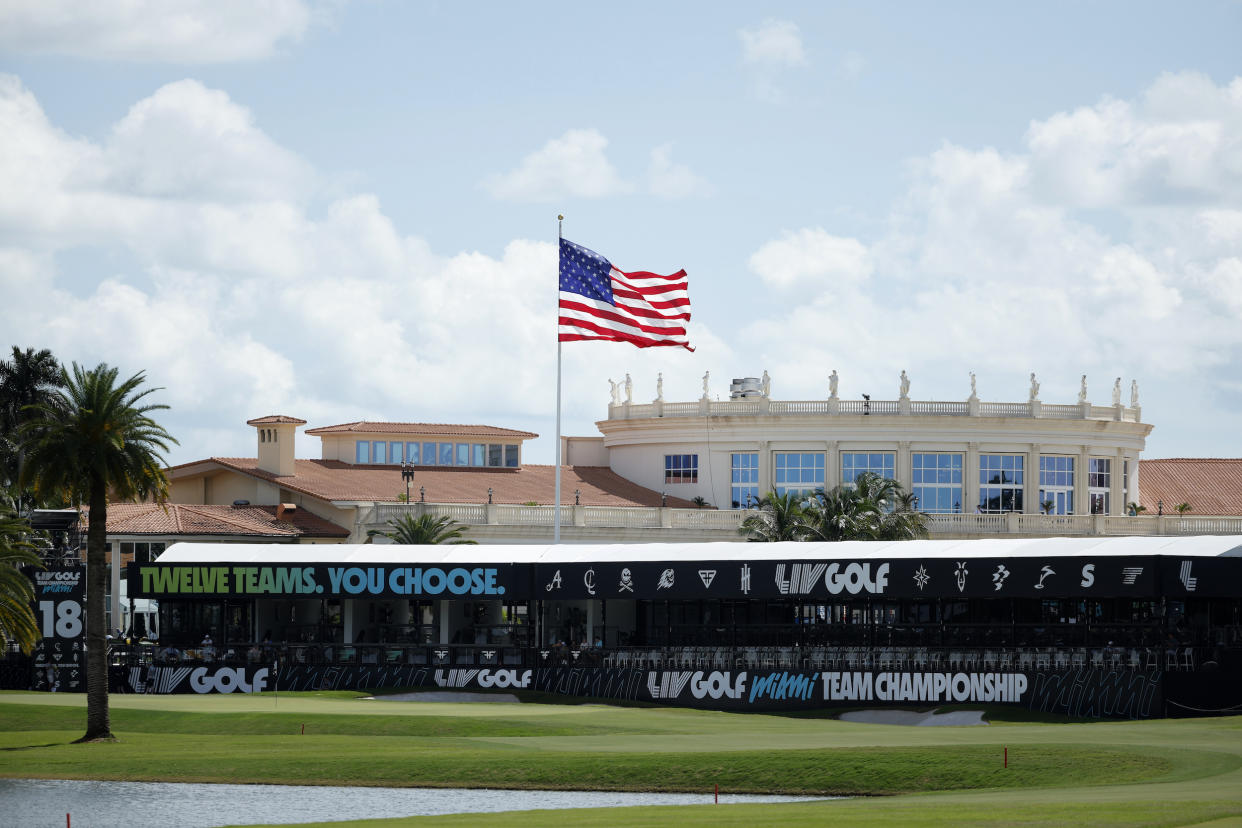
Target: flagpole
(556,512)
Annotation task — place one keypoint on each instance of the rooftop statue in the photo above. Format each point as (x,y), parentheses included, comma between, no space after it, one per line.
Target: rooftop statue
(833,379)
(905,385)
(1034,387)
(1082,390)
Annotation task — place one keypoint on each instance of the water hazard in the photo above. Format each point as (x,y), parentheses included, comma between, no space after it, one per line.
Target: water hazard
(44,802)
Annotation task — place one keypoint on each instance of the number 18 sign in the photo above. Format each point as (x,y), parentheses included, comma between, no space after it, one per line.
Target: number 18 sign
(60,604)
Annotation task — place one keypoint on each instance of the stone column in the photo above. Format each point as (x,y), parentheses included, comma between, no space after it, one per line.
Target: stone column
(1030,496)
(832,464)
(903,469)
(1082,503)
(1116,506)
(765,468)
(970,478)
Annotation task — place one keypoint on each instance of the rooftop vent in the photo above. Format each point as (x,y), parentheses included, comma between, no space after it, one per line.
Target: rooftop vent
(745,387)
(241,502)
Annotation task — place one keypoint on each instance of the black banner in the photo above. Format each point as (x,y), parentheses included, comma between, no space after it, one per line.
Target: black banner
(1082,693)
(1201,577)
(295,580)
(820,580)
(60,610)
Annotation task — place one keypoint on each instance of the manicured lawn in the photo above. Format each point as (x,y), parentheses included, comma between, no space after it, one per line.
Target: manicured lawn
(1122,773)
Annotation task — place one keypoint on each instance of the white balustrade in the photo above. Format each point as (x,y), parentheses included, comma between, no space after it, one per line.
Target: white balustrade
(726,520)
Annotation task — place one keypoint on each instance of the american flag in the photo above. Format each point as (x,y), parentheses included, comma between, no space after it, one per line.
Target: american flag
(598,301)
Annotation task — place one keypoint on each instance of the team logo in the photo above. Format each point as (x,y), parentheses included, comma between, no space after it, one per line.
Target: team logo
(707,576)
(921,577)
(555,583)
(999,576)
(1088,576)
(1044,574)
(666,580)
(588,580)
(746,579)
(960,573)
(1187,581)
(627,581)
(1130,574)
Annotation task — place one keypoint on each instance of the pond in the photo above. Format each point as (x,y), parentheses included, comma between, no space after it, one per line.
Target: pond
(44,802)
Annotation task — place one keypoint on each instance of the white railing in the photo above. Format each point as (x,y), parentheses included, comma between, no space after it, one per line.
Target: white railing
(1004,409)
(727,521)
(1061,412)
(764,406)
(940,409)
(625,517)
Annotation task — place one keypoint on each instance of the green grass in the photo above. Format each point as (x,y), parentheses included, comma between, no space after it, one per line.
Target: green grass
(1100,773)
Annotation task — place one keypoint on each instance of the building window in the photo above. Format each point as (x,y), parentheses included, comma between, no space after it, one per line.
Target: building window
(395,452)
(429,454)
(798,473)
(681,468)
(362,451)
(937,482)
(745,480)
(463,454)
(1125,483)
(411,453)
(478,455)
(511,457)
(495,455)
(1099,481)
(446,454)
(855,463)
(1000,482)
(1056,484)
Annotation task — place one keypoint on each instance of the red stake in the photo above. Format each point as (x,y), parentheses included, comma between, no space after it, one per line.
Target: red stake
(67,825)
(717,793)
(1006,757)
(303,728)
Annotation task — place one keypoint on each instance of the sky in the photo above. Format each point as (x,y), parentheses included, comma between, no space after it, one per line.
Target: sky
(348,210)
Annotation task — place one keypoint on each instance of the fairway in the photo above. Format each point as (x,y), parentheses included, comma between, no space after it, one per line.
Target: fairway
(1165,772)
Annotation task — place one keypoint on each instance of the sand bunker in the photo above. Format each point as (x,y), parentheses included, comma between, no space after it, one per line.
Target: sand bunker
(437,696)
(953,718)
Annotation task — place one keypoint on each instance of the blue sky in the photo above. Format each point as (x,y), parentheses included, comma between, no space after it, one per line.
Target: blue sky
(347,210)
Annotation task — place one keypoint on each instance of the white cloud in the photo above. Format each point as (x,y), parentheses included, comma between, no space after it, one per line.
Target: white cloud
(188,141)
(576,165)
(987,265)
(773,43)
(238,299)
(176,31)
(1181,143)
(668,179)
(812,257)
(573,165)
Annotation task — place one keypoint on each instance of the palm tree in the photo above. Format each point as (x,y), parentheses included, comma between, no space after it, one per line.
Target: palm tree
(17,620)
(94,439)
(780,518)
(27,379)
(871,508)
(1183,508)
(423,529)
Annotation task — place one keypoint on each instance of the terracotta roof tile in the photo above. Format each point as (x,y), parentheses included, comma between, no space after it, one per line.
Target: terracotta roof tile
(1211,485)
(334,480)
(364,427)
(186,519)
(272,419)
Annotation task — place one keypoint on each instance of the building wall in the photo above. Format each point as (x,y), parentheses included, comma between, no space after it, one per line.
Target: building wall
(637,448)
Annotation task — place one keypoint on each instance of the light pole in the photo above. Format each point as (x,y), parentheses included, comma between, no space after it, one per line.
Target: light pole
(407,474)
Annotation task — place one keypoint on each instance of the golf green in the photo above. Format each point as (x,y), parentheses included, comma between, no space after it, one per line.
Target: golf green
(1166,772)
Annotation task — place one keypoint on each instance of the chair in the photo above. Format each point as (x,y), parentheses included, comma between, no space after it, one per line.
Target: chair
(1188,659)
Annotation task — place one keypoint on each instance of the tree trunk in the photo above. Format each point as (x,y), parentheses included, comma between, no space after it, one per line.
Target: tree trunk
(98,724)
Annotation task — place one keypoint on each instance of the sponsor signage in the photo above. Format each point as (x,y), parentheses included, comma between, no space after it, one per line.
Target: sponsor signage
(826,580)
(228,580)
(60,610)
(1200,577)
